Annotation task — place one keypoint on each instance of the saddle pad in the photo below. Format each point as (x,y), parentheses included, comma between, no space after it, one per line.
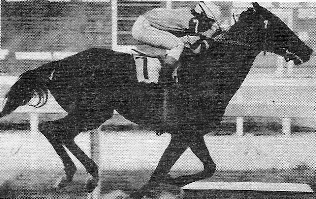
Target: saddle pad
(147,69)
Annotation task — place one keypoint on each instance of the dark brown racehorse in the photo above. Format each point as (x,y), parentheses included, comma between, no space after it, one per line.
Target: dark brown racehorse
(92,83)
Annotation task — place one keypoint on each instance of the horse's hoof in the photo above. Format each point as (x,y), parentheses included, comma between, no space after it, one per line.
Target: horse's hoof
(62,182)
(91,184)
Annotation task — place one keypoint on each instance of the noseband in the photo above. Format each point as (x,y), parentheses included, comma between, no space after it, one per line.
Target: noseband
(288,56)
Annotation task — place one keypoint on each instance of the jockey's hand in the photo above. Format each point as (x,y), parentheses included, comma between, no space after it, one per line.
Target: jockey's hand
(210,32)
(218,32)
(189,40)
(215,34)
(207,34)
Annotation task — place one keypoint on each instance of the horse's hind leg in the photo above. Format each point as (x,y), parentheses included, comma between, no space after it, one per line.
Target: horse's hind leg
(61,133)
(51,130)
(199,148)
(85,120)
(88,163)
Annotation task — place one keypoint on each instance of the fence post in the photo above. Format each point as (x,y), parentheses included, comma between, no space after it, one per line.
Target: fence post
(290,66)
(34,121)
(280,66)
(240,126)
(286,126)
(95,156)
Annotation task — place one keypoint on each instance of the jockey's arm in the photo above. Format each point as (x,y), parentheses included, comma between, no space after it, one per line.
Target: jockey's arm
(197,44)
(202,42)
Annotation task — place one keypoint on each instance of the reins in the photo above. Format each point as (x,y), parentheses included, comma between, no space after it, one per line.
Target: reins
(221,40)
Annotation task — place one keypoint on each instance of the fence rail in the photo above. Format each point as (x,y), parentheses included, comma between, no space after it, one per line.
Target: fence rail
(239,107)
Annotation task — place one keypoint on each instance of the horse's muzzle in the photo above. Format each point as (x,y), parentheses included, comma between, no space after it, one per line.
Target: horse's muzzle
(300,56)
(288,56)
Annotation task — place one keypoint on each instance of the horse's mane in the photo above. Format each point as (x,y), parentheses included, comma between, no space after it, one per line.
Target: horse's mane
(231,53)
(238,34)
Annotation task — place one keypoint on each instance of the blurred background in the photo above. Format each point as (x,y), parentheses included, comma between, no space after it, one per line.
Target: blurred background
(75,25)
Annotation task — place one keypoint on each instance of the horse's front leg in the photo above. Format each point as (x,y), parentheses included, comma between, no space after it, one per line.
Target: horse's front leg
(175,149)
(198,146)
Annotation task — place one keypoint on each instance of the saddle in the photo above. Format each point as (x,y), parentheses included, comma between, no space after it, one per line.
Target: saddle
(148,61)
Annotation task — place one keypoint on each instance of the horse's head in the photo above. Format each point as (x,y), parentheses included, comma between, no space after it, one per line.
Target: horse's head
(281,39)
(266,32)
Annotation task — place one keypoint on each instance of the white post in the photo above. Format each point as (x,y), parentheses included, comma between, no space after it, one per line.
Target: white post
(240,126)
(286,126)
(95,156)
(280,66)
(34,121)
(290,66)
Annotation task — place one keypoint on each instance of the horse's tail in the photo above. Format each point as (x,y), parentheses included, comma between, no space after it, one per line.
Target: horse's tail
(31,83)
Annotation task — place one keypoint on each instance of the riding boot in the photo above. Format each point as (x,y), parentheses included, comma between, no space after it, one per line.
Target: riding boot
(169,64)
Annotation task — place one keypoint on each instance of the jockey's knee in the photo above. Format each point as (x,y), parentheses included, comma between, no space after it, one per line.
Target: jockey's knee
(137,29)
(169,60)
(176,51)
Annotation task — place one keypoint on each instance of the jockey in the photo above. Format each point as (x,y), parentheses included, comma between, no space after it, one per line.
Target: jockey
(174,29)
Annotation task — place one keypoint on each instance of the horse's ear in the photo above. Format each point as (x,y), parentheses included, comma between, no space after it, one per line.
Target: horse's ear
(256,6)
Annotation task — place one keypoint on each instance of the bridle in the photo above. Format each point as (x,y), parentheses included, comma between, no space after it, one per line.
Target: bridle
(220,38)
(265,37)
(288,56)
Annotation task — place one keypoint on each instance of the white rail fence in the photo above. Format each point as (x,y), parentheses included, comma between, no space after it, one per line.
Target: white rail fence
(287,106)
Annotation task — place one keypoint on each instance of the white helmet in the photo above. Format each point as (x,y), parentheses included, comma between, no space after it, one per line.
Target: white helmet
(209,8)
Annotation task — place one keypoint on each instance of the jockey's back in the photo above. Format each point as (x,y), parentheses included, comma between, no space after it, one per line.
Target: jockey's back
(173,20)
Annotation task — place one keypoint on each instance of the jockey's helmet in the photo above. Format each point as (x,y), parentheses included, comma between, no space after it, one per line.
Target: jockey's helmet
(209,9)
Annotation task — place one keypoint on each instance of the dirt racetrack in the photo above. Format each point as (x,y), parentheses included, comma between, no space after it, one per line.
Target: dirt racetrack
(39,184)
